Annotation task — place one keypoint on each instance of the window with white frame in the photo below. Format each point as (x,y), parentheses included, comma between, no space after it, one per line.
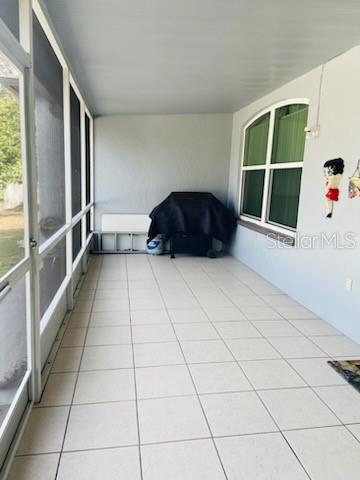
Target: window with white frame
(271,167)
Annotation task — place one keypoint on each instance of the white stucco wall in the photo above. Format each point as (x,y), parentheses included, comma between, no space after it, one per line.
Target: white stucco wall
(316,277)
(140,159)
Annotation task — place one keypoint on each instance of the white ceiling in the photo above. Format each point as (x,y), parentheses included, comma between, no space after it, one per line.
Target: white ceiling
(195,56)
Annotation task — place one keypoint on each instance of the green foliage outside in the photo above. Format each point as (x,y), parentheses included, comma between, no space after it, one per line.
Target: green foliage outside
(10,143)
(11,219)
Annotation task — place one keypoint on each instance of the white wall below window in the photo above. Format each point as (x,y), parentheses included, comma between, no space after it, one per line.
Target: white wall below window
(314,276)
(140,159)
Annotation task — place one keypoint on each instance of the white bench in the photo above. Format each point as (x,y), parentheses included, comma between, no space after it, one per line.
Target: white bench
(119,232)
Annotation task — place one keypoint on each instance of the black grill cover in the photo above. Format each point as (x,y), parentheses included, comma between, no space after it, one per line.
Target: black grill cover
(192,213)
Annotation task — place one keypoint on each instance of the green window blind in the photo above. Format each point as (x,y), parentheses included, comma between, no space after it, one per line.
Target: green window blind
(284,200)
(289,135)
(253,188)
(256,138)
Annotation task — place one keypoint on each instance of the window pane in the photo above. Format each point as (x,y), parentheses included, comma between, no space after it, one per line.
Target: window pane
(9,14)
(87,154)
(13,345)
(256,141)
(49,134)
(11,184)
(75,152)
(76,240)
(284,201)
(52,274)
(253,188)
(289,135)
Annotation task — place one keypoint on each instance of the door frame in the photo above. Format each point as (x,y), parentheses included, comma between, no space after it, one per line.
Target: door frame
(19,53)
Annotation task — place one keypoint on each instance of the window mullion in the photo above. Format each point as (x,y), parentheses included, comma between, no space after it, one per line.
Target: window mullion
(253,167)
(286,166)
(264,208)
(240,179)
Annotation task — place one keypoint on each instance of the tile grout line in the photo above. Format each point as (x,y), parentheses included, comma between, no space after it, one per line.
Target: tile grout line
(255,391)
(199,340)
(76,381)
(312,388)
(309,337)
(102,402)
(298,373)
(236,361)
(165,442)
(190,374)
(263,403)
(134,373)
(62,372)
(307,384)
(250,321)
(186,363)
(283,318)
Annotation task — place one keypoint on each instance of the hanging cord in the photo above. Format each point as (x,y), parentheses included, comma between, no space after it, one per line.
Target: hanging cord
(313,131)
(319,94)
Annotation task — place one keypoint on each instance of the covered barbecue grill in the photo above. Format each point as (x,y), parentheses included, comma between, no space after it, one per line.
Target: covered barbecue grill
(190,220)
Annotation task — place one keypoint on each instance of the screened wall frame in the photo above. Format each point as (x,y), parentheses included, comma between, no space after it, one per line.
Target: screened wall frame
(17,52)
(85,206)
(52,241)
(67,286)
(268,167)
(20,52)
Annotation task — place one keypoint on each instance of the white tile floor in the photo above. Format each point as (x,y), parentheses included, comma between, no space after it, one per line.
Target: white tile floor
(192,369)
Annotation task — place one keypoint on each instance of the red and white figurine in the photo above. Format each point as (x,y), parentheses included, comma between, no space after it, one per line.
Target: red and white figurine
(333,171)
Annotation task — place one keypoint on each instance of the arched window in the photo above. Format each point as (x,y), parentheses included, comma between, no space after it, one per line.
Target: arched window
(272,165)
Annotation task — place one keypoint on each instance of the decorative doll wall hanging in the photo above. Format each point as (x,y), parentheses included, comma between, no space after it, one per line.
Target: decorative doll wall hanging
(354,183)
(333,170)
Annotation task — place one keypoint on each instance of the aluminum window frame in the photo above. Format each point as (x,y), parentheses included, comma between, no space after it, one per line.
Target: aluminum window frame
(268,168)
